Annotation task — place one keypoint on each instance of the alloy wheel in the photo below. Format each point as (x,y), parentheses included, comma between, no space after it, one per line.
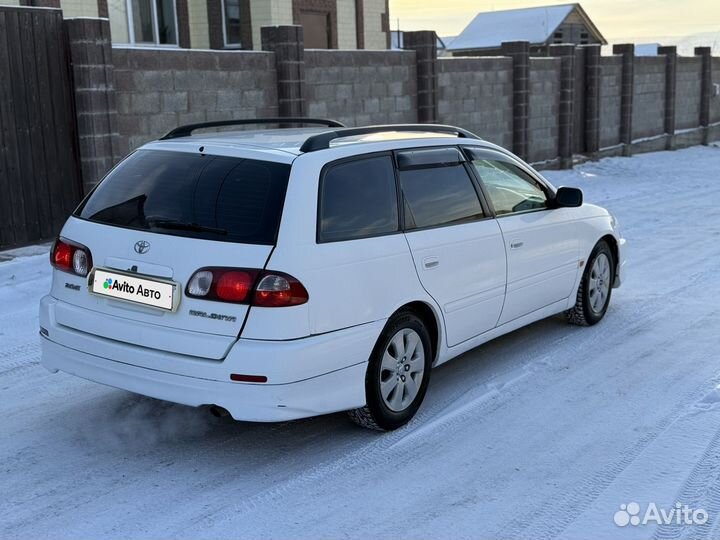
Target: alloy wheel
(402,369)
(599,283)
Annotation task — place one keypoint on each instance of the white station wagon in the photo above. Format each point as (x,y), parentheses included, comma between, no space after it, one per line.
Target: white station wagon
(288,273)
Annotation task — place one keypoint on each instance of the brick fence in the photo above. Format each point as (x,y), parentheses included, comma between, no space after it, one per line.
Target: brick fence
(545,109)
(361,87)
(156,91)
(477,94)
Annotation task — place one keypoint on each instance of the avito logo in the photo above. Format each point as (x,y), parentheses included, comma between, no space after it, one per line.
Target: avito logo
(117,285)
(125,287)
(680,514)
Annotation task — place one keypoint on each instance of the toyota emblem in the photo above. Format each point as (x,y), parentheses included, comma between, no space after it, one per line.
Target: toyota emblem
(142,246)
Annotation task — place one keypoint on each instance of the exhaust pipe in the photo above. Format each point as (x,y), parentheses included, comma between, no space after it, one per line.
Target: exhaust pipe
(218,412)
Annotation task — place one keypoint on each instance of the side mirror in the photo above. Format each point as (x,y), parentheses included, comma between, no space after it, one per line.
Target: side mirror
(568,197)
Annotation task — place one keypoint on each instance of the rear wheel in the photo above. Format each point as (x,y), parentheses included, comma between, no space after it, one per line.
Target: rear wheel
(397,376)
(593,296)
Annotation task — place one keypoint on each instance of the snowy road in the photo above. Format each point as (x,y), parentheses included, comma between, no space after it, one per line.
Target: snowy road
(543,433)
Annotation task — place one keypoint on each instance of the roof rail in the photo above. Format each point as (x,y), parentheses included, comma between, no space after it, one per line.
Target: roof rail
(322,141)
(185,131)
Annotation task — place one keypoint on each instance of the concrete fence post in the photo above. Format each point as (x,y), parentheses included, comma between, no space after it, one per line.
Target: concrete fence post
(592,99)
(287,44)
(94,87)
(424,43)
(627,50)
(705,90)
(566,119)
(519,51)
(670,53)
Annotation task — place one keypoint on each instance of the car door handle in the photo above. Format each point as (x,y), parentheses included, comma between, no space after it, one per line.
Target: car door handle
(431,262)
(516,244)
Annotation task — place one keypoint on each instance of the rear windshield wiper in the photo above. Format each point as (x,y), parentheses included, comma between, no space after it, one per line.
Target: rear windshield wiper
(182,226)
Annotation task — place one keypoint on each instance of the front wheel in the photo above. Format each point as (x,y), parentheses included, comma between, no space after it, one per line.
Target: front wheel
(397,376)
(593,296)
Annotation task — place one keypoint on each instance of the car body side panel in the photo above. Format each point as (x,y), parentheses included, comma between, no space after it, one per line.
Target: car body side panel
(592,224)
(542,252)
(349,282)
(463,268)
(448,353)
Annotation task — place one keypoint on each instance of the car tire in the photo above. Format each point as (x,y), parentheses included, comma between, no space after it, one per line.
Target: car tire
(398,374)
(593,296)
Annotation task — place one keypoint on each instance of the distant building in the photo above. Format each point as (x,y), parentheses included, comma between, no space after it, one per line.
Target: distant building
(541,26)
(232,24)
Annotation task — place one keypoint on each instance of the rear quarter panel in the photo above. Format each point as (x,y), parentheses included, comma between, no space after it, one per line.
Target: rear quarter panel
(350,282)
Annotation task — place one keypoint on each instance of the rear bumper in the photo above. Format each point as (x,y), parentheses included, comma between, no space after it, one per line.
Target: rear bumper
(306,377)
(332,392)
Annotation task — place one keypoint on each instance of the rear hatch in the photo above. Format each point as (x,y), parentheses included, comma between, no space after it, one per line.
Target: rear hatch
(160,216)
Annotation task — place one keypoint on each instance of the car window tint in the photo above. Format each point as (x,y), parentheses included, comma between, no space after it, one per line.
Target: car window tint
(358,199)
(189,194)
(510,188)
(438,196)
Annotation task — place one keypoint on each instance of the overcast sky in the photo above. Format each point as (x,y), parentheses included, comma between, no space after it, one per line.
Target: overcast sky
(616,19)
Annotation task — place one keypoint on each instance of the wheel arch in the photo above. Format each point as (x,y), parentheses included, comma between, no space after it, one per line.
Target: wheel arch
(431,320)
(612,242)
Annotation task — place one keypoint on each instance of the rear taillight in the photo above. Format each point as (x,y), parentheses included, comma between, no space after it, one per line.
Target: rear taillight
(235,285)
(71,257)
(262,288)
(275,290)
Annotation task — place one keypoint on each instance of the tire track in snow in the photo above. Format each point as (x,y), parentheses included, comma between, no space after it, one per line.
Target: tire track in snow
(19,358)
(552,519)
(712,504)
(550,522)
(702,487)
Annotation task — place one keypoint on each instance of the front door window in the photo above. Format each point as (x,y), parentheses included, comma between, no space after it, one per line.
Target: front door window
(511,190)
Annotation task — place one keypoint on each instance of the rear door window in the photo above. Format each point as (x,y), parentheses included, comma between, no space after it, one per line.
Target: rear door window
(358,199)
(439,196)
(210,197)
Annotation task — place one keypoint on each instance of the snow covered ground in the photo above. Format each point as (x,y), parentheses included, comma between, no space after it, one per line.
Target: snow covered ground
(543,433)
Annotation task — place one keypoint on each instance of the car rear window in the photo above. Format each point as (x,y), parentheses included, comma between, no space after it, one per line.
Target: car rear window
(201,196)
